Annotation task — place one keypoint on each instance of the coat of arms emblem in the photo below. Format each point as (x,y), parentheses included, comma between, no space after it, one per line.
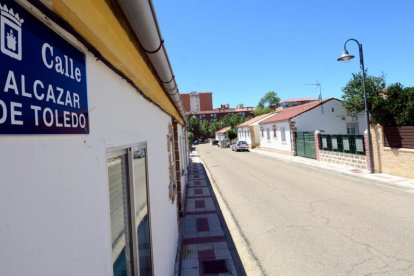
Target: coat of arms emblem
(11,33)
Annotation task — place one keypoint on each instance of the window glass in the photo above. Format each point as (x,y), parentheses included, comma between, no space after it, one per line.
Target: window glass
(118,181)
(282,134)
(142,228)
(129,213)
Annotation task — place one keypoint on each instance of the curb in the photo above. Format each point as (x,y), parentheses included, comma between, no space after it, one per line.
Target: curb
(248,259)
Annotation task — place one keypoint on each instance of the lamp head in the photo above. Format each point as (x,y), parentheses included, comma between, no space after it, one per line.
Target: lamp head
(345,56)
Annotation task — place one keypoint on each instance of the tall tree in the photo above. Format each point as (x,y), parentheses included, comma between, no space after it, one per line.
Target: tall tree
(353,95)
(397,106)
(267,103)
(388,106)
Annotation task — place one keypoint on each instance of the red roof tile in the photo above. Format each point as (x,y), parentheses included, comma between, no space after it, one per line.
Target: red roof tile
(299,100)
(289,113)
(254,120)
(223,130)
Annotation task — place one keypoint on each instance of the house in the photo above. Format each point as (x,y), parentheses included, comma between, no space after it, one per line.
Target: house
(92,140)
(295,102)
(222,134)
(329,116)
(249,131)
(219,113)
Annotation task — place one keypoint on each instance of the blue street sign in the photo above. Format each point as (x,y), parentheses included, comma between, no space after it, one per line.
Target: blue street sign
(42,78)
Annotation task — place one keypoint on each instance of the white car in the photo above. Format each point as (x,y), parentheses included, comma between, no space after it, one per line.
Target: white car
(240,146)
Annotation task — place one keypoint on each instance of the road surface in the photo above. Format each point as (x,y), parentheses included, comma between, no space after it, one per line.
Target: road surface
(299,220)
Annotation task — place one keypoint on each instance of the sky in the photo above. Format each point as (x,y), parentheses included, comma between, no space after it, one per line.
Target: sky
(241,49)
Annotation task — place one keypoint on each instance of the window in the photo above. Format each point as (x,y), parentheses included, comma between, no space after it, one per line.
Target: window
(262,130)
(274,132)
(129,212)
(172,187)
(283,134)
(268,133)
(352,128)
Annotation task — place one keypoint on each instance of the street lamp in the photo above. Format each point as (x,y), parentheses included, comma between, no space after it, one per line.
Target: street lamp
(346,57)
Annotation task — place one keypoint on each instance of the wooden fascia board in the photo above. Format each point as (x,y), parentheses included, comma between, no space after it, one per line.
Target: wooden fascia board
(96,22)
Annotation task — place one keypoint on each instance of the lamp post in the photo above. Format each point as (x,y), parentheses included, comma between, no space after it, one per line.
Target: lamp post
(346,57)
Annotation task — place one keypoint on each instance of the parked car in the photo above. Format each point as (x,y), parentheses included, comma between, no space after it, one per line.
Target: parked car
(224,143)
(240,146)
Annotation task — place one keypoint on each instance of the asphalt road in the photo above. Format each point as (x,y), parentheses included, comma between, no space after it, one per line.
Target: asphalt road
(299,220)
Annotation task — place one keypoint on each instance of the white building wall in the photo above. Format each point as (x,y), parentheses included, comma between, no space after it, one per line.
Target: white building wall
(54,198)
(184,157)
(257,134)
(331,118)
(276,143)
(243,134)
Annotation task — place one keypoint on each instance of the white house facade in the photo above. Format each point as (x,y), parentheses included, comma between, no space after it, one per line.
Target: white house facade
(276,137)
(221,134)
(328,116)
(93,170)
(249,131)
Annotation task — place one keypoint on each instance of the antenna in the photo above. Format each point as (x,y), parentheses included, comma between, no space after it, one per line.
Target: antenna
(318,85)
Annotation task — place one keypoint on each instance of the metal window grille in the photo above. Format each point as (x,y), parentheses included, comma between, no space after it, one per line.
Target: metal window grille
(343,143)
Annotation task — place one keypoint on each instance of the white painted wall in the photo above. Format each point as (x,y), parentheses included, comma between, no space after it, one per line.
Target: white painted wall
(328,117)
(54,198)
(182,144)
(243,134)
(276,142)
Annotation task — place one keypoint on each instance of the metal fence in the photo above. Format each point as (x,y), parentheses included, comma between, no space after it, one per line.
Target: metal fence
(343,143)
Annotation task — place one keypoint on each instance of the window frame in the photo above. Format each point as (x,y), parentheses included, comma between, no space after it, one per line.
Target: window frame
(132,240)
(283,134)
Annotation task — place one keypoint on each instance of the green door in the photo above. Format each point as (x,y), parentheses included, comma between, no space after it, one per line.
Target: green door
(305,144)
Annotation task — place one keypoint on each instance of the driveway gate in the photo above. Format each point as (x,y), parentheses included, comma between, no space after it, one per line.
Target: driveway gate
(305,144)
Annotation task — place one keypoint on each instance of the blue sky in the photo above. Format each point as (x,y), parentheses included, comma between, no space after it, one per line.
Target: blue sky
(240,49)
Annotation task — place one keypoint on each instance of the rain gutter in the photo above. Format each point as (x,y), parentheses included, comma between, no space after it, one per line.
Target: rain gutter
(142,18)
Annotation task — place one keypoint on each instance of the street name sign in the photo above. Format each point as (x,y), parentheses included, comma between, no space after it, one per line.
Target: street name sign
(42,78)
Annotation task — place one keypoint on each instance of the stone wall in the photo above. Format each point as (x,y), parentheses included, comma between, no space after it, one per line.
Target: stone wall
(342,158)
(391,160)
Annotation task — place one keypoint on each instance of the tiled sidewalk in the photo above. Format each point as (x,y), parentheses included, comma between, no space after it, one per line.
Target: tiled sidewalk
(206,245)
(353,172)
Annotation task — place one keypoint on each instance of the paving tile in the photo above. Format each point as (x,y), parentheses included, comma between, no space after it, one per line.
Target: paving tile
(190,264)
(190,272)
(207,254)
(204,246)
(202,225)
(201,231)
(199,203)
(209,239)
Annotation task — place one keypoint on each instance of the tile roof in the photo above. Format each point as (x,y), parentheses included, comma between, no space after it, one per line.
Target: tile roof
(255,119)
(289,113)
(299,100)
(218,110)
(223,130)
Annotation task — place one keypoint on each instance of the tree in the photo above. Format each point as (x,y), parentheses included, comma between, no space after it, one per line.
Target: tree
(203,128)
(193,124)
(267,103)
(397,106)
(213,127)
(353,97)
(388,106)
